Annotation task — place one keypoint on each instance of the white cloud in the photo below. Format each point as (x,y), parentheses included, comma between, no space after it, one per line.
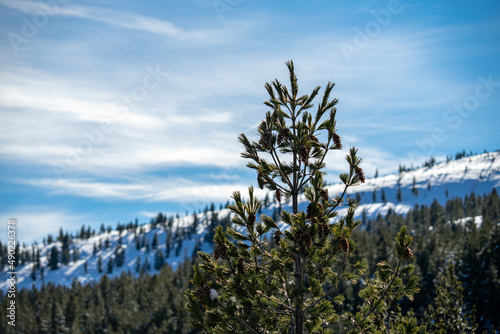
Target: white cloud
(110,17)
(152,190)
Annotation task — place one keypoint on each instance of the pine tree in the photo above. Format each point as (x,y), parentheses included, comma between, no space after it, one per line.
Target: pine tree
(246,286)
(110,265)
(159,259)
(33,272)
(399,196)
(414,189)
(138,264)
(119,255)
(99,265)
(447,315)
(54,258)
(154,243)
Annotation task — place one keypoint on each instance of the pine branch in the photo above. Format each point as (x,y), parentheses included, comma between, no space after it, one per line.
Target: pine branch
(277,162)
(275,301)
(372,309)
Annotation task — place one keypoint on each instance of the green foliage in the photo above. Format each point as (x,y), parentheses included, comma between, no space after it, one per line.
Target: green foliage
(447,314)
(294,285)
(125,304)
(381,311)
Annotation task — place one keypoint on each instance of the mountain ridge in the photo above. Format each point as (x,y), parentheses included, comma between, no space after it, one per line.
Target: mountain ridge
(478,174)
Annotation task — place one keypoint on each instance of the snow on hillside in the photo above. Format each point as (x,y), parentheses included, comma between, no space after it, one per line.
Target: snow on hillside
(476,174)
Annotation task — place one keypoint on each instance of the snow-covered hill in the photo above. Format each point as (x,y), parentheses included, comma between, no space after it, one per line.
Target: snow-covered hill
(477,174)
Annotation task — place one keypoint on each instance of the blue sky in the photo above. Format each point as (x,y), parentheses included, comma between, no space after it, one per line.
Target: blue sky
(115,110)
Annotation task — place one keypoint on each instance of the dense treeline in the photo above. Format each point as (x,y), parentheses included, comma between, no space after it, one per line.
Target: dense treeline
(154,303)
(441,237)
(125,304)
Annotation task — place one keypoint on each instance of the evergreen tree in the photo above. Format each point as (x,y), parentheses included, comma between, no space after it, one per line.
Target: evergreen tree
(168,244)
(159,259)
(37,259)
(196,222)
(154,243)
(109,267)
(382,196)
(99,265)
(447,315)
(414,189)
(54,258)
(246,286)
(33,272)
(75,255)
(179,247)
(137,243)
(119,256)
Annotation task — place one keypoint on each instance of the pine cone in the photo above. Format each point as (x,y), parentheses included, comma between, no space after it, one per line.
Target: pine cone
(277,238)
(320,209)
(278,195)
(303,237)
(408,254)
(203,293)
(304,154)
(306,239)
(265,140)
(221,252)
(337,141)
(260,180)
(360,174)
(251,219)
(309,214)
(314,139)
(240,267)
(344,244)
(323,230)
(283,135)
(324,194)
(275,115)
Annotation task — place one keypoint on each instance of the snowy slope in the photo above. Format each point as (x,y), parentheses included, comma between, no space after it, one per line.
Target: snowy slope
(476,174)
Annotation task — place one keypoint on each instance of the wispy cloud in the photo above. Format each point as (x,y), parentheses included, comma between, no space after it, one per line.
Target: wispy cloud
(146,189)
(110,17)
